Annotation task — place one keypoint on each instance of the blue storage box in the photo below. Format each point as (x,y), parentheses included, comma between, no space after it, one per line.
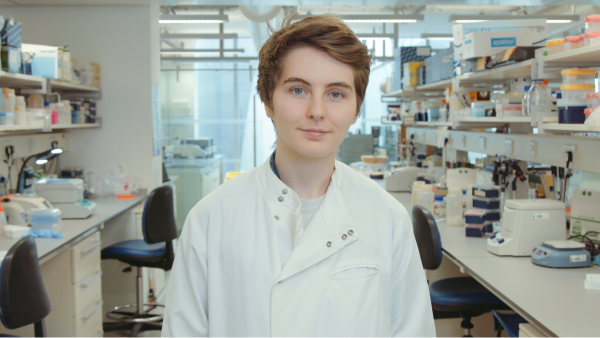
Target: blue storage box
(486,203)
(492,215)
(572,114)
(474,230)
(488,227)
(475,216)
(11,33)
(486,191)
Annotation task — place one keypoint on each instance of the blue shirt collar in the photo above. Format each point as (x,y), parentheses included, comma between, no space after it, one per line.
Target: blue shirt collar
(273,167)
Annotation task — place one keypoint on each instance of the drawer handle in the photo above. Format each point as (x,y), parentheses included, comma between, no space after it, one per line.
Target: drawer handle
(92,280)
(94,310)
(91,248)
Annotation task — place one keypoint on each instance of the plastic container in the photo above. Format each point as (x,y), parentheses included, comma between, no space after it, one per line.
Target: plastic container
(538,95)
(416,188)
(509,110)
(571,42)
(578,75)
(475,216)
(35,101)
(555,46)
(64,113)
(492,215)
(45,219)
(75,113)
(486,191)
(592,23)
(433,114)
(478,108)
(454,210)
(20,117)
(524,102)
(571,111)
(439,207)
(576,91)
(593,100)
(474,230)
(486,203)
(2,221)
(8,100)
(587,112)
(426,200)
(591,38)
(35,117)
(7,119)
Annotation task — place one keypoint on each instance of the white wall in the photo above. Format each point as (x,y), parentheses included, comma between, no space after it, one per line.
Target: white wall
(124,40)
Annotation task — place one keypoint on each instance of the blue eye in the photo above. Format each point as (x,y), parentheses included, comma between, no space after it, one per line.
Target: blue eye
(298,91)
(336,95)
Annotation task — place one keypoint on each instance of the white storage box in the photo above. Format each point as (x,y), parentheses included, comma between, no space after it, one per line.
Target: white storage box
(46,62)
(61,190)
(479,44)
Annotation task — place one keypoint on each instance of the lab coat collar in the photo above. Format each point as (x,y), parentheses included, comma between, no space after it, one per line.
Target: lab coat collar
(329,230)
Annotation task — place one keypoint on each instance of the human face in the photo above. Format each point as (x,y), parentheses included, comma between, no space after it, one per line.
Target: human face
(314,103)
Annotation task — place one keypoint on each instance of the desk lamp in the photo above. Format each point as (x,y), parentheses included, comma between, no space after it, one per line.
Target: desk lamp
(41,159)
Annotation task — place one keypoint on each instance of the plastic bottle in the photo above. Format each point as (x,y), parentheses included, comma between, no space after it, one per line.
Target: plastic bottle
(65,113)
(20,111)
(439,207)
(416,188)
(75,112)
(8,100)
(2,220)
(426,199)
(47,116)
(538,95)
(35,101)
(524,102)
(454,210)
(464,197)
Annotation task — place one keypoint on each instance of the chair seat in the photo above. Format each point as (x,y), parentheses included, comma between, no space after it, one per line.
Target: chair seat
(462,294)
(509,321)
(135,251)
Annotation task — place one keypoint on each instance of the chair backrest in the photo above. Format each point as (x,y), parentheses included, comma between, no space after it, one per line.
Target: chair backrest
(428,237)
(158,219)
(23,298)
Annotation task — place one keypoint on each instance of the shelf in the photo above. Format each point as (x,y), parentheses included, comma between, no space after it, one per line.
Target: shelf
(435,86)
(584,54)
(433,124)
(570,128)
(517,119)
(15,80)
(397,93)
(8,129)
(59,85)
(515,70)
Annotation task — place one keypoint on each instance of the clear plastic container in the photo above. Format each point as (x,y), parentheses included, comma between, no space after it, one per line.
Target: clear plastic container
(20,109)
(538,95)
(555,46)
(591,38)
(525,100)
(7,119)
(478,108)
(592,23)
(439,207)
(509,110)
(582,40)
(578,75)
(454,210)
(35,117)
(593,100)
(571,42)
(576,91)
(426,200)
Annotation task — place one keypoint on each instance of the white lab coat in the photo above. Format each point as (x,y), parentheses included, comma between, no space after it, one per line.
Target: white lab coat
(355,271)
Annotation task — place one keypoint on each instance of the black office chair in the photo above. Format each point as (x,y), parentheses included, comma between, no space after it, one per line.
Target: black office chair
(154,251)
(23,298)
(460,297)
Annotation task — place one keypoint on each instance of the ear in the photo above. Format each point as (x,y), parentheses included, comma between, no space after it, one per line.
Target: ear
(269,111)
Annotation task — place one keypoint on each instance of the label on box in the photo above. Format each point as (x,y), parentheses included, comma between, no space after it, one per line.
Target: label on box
(541,215)
(479,193)
(578,258)
(504,42)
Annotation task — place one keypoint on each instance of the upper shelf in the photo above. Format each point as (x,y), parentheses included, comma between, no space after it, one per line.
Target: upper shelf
(16,80)
(584,54)
(515,70)
(439,85)
(66,86)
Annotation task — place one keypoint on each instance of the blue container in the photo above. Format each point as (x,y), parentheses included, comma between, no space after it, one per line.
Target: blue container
(489,227)
(493,215)
(486,191)
(571,111)
(486,203)
(474,230)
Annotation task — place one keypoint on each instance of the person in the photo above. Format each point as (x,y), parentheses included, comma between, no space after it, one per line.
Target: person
(302,245)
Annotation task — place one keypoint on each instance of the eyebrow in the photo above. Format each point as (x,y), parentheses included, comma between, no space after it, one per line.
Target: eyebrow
(334,84)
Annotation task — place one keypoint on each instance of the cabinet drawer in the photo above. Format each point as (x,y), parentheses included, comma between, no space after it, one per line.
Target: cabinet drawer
(85,258)
(86,291)
(89,322)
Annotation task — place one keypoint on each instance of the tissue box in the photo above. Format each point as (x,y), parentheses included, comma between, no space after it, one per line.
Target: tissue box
(46,62)
(10,33)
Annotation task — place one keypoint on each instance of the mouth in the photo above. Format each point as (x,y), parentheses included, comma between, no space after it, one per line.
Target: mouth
(314,133)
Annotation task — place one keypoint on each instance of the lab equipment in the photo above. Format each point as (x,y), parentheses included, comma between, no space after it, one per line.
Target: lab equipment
(7,104)
(486,203)
(479,108)
(525,224)
(591,38)
(474,230)
(67,195)
(486,191)
(576,91)
(585,213)
(207,144)
(475,216)
(20,117)
(16,206)
(15,231)
(2,220)
(44,219)
(7,119)
(461,177)
(439,207)
(402,178)
(561,254)
(571,111)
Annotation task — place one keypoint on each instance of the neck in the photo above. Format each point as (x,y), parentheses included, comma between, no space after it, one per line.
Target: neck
(309,177)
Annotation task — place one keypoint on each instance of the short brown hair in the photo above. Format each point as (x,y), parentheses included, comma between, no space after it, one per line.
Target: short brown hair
(323,32)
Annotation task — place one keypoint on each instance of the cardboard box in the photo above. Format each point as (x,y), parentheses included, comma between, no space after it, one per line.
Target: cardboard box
(403,55)
(479,44)
(536,27)
(46,62)
(10,33)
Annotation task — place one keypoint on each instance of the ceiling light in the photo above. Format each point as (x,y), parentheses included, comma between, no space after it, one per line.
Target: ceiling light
(195,51)
(374,36)
(199,36)
(182,19)
(384,18)
(482,18)
(428,36)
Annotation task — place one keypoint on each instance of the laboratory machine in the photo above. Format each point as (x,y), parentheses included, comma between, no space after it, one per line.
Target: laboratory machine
(561,254)
(66,194)
(17,206)
(526,223)
(207,145)
(401,179)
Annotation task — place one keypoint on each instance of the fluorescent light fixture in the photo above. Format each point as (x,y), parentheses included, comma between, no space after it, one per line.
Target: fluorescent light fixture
(56,151)
(41,161)
(383,18)
(194,51)
(183,19)
(374,36)
(428,36)
(482,18)
(199,36)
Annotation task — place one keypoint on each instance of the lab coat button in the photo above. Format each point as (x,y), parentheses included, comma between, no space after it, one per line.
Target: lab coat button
(344,236)
(284,191)
(276,218)
(329,244)
(280,199)
(350,232)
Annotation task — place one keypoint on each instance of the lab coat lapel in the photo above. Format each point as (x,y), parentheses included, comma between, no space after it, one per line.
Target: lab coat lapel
(328,232)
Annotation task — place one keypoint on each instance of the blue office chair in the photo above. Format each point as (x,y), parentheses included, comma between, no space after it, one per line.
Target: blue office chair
(507,321)
(154,251)
(460,297)
(23,298)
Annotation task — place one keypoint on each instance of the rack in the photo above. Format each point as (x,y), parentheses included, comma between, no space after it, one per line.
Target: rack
(12,130)
(66,86)
(581,57)
(22,81)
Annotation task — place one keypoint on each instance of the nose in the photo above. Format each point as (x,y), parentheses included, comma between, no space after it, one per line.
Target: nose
(316,109)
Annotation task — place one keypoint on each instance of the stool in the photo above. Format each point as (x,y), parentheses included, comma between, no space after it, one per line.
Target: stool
(509,322)
(23,298)
(154,251)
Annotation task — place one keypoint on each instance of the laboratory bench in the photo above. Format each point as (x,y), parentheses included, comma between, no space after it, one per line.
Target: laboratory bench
(71,268)
(555,301)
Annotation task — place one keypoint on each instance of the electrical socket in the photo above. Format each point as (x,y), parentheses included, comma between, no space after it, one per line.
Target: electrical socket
(572,149)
